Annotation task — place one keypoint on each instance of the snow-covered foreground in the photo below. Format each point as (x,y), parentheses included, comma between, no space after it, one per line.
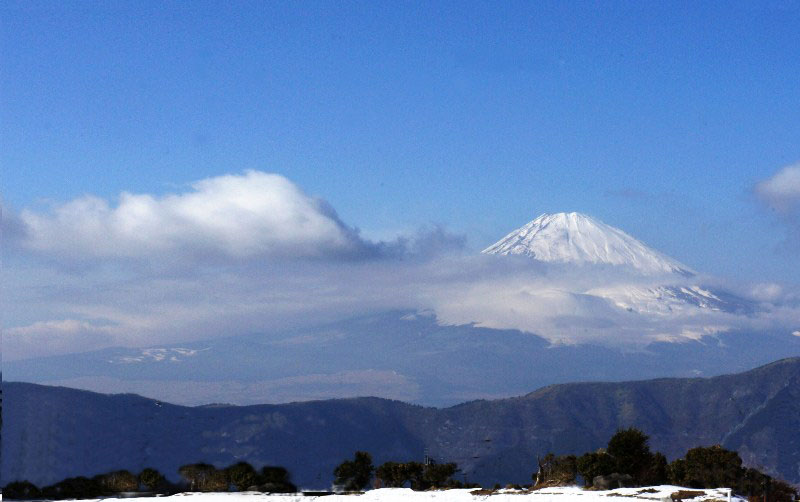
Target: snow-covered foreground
(559,494)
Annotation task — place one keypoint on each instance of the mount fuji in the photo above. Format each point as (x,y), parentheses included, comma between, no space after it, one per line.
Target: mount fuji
(663,286)
(578,238)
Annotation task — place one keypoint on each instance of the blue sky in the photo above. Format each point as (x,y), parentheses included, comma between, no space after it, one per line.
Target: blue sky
(477,116)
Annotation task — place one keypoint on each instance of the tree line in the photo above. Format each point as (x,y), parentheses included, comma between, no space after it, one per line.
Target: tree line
(198,477)
(357,474)
(626,461)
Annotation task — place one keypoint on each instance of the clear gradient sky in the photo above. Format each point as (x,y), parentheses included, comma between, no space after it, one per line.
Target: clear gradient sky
(659,118)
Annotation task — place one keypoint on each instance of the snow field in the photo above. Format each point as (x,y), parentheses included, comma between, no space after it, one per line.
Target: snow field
(557,494)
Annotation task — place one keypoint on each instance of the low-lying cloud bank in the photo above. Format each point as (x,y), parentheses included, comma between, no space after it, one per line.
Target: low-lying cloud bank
(253,253)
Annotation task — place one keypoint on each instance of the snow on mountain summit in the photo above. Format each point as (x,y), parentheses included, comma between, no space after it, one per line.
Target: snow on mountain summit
(578,238)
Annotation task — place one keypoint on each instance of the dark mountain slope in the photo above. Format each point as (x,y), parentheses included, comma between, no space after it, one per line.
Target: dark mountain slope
(54,432)
(754,411)
(51,432)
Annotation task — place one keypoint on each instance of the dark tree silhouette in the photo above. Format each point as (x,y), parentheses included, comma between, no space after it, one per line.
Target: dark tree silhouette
(354,475)
(203,477)
(710,467)
(241,475)
(392,474)
(439,475)
(73,488)
(591,465)
(118,481)
(556,471)
(630,450)
(275,479)
(151,479)
(21,490)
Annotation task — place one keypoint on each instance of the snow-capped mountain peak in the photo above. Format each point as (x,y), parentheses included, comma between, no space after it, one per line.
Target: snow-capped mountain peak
(578,238)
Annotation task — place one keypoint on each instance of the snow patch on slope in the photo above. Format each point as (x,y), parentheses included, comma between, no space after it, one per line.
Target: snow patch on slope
(174,354)
(661,300)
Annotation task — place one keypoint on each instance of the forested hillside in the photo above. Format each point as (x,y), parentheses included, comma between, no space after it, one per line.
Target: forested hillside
(51,433)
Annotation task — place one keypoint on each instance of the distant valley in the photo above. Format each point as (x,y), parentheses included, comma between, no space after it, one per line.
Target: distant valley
(398,355)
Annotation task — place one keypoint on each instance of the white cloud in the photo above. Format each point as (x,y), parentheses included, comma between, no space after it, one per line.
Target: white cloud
(560,303)
(237,217)
(45,338)
(244,221)
(578,305)
(781,191)
(766,292)
(276,258)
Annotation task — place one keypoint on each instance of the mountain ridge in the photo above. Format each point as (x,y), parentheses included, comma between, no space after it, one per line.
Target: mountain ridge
(51,432)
